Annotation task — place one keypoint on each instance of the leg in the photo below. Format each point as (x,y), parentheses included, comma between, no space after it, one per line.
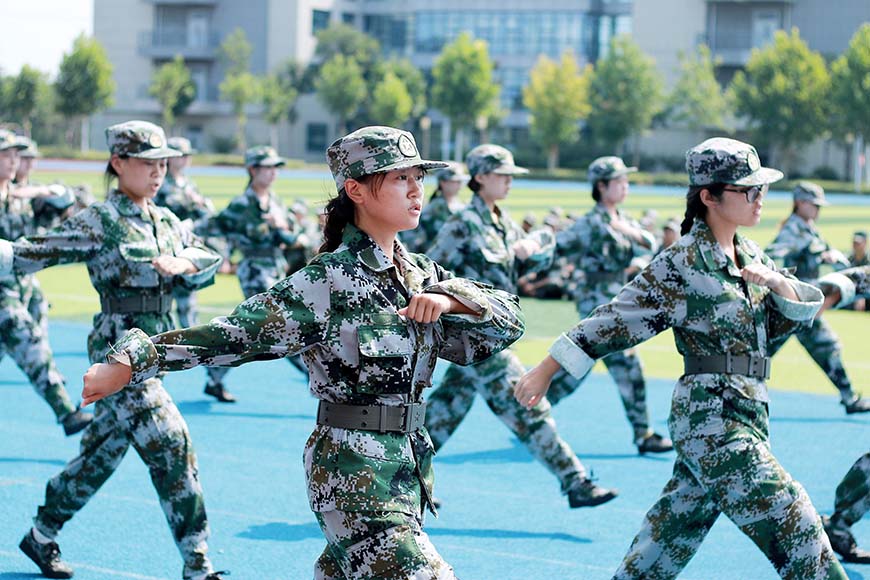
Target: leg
(381,546)
(627,373)
(326,567)
(37,305)
(161,439)
(448,404)
(824,347)
(562,385)
(851,503)
(185,307)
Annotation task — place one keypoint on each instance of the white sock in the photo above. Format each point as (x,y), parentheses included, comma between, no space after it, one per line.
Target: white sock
(40,537)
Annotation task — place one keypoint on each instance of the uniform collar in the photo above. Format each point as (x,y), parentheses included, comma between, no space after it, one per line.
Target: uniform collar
(373,257)
(712,254)
(125,206)
(481,208)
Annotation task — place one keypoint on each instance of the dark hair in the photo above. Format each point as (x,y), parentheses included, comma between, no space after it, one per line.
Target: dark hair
(437,192)
(110,174)
(695,208)
(473,184)
(340,211)
(596,195)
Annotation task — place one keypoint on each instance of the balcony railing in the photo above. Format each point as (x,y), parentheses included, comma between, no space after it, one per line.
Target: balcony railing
(168,43)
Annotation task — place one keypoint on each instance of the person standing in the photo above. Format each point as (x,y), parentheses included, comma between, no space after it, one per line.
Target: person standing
(483,243)
(800,245)
(370,320)
(443,203)
(607,248)
(135,253)
(23,324)
(727,304)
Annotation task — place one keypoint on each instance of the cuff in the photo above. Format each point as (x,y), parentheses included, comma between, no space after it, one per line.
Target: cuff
(571,357)
(206,264)
(6,257)
(468,293)
(841,283)
(809,302)
(136,349)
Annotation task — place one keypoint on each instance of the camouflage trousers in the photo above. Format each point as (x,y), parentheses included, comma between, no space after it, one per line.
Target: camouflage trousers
(378,546)
(37,304)
(27,343)
(853,494)
(824,347)
(724,465)
(627,372)
(145,417)
(186,312)
(494,379)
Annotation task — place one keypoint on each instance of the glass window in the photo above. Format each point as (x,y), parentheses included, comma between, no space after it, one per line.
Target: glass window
(315,137)
(319,20)
(348,18)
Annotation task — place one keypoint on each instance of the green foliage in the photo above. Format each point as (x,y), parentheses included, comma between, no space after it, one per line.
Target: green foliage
(173,88)
(236,52)
(850,94)
(239,87)
(697,101)
(22,95)
(411,77)
(783,93)
(391,104)
(347,41)
(463,88)
(341,87)
(557,97)
(625,92)
(278,96)
(84,82)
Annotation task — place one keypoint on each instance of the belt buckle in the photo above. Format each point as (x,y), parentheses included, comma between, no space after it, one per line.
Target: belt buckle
(729,363)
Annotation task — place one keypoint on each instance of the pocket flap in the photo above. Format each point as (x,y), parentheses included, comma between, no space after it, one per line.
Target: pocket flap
(384,340)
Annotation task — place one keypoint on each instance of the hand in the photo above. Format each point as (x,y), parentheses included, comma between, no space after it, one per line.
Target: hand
(626,229)
(428,307)
(763,276)
(525,248)
(533,385)
(173,266)
(277,222)
(102,380)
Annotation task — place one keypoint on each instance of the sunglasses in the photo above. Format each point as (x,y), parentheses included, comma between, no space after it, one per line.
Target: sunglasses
(753,193)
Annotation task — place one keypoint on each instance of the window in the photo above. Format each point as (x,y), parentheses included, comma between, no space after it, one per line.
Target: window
(315,137)
(319,20)
(348,18)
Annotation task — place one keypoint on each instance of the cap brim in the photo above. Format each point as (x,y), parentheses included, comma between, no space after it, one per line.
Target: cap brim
(461,177)
(17,146)
(421,163)
(510,170)
(269,162)
(157,153)
(761,176)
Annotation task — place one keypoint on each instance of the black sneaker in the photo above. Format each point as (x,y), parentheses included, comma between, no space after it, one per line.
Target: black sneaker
(843,543)
(857,405)
(220,393)
(76,421)
(587,494)
(217,575)
(46,556)
(655,443)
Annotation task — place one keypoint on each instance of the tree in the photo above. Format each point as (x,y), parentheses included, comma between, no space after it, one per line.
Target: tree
(625,93)
(239,87)
(411,77)
(279,97)
(341,88)
(173,88)
(697,101)
(84,83)
(784,94)
(347,41)
(557,97)
(391,104)
(22,95)
(463,88)
(850,90)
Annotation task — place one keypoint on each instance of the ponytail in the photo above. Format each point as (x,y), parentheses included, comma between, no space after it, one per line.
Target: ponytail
(339,212)
(436,193)
(109,175)
(695,207)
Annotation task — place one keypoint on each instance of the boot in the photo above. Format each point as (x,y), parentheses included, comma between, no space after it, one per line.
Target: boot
(857,405)
(219,392)
(46,556)
(76,421)
(843,543)
(655,443)
(587,494)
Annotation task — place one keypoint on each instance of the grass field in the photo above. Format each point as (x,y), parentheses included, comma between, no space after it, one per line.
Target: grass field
(72,297)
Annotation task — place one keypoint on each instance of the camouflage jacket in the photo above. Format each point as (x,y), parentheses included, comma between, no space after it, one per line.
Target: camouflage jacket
(853,261)
(799,245)
(16,220)
(435,213)
(340,313)
(591,245)
(472,245)
(695,289)
(243,223)
(851,282)
(184,200)
(117,240)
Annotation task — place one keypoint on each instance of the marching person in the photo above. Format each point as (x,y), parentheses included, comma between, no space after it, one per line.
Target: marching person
(726,304)
(135,253)
(443,203)
(370,320)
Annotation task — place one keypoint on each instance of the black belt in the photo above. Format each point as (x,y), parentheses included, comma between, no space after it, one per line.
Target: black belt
(751,366)
(142,303)
(382,418)
(618,276)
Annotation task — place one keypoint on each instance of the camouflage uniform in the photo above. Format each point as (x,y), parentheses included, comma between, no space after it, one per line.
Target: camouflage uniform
(367,488)
(718,421)
(25,336)
(118,240)
(435,214)
(602,256)
(799,245)
(472,245)
(307,242)
(859,237)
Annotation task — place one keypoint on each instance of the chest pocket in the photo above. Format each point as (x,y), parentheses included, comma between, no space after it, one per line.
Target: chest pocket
(136,270)
(385,354)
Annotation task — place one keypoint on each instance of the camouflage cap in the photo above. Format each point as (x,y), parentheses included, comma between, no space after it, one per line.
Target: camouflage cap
(181,144)
(30,149)
(722,160)
(861,235)
(489,158)
(453,172)
(139,139)
(809,191)
(9,140)
(672,224)
(374,150)
(607,168)
(263,156)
